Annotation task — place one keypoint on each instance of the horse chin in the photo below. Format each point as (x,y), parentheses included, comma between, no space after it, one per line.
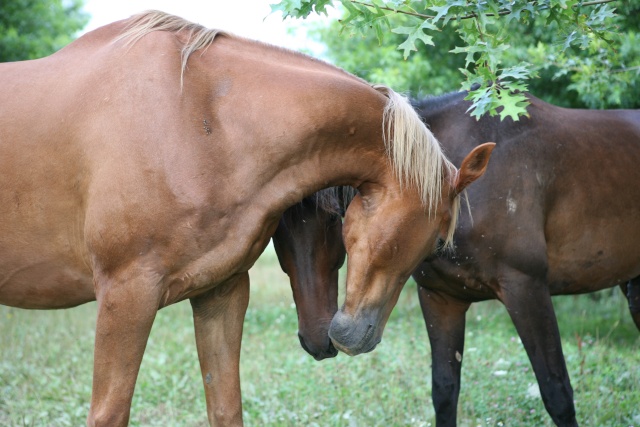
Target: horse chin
(356,351)
(327,352)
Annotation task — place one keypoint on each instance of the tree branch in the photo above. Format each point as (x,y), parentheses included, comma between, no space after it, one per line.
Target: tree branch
(469,16)
(419,15)
(592,3)
(624,70)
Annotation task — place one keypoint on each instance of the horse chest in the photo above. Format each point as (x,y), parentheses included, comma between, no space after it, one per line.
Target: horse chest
(459,277)
(236,250)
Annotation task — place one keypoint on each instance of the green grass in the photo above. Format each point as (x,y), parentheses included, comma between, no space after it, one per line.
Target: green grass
(46,364)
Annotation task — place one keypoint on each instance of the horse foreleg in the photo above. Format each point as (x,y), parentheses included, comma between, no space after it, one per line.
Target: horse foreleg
(125,316)
(529,304)
(218,317)
(631,290)
(444,318)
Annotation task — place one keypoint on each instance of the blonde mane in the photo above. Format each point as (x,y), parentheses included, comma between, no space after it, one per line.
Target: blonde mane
(416,155)
(198,36)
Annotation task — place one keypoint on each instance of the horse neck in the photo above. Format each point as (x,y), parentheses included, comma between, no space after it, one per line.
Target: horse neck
(458,132)
(432,106)
(334,165)
(299,124)
(447,118)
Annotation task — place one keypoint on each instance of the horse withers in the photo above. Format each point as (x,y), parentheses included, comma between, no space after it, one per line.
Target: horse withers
(139,174)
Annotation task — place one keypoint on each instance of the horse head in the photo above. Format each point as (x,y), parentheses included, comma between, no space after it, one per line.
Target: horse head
(308,242)
(395,221)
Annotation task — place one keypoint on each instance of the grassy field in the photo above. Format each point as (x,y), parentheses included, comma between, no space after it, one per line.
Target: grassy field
(46,363)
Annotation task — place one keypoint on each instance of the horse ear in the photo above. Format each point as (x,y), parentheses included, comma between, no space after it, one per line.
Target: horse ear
(474,165)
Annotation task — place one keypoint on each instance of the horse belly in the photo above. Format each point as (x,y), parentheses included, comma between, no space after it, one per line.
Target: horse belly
(592,226)
(593,257)
(45,284)
(43,258)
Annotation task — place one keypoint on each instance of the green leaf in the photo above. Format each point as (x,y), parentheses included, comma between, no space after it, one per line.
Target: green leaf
(352,12)
(470,51)
(414,34)
(513,105)
(482,102)
(441,11)
(518,72)
(599,15)
(300,8)
(288,8)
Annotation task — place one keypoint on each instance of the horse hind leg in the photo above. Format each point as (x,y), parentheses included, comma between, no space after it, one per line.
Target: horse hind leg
(631,290)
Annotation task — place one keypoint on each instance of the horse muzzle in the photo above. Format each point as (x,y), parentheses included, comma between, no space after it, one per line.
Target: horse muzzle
(319,352)
(353,337)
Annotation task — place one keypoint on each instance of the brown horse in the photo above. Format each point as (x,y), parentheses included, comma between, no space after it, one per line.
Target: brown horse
(556,214)
(308,242)
(564,228)
(149,162)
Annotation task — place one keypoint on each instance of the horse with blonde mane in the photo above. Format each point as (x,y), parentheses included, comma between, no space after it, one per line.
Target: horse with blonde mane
(150,161)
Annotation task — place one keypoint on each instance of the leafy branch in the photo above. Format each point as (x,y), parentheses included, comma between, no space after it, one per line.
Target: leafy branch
(485,40)
(469,16)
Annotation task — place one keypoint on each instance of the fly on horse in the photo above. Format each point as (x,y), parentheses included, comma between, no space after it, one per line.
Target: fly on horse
(150,161)
(555,214)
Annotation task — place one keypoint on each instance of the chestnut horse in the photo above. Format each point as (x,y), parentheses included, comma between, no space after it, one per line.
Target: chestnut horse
(149,162)
(564,228)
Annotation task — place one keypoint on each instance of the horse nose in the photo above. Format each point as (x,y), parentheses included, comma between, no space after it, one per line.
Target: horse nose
(353,337)
(327,352)
(340,331)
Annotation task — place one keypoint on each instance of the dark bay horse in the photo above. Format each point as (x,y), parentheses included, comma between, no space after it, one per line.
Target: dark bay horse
(150,161)
(308,243)
(557,213)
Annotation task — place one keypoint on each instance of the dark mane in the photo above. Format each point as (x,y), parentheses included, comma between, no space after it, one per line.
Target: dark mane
(433,103)
(334,200)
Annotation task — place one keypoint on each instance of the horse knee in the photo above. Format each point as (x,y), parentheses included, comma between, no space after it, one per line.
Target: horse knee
(226,416)
(107,418)
(566,419)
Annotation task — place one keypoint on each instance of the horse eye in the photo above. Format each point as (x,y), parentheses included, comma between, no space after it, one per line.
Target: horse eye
(440,248)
